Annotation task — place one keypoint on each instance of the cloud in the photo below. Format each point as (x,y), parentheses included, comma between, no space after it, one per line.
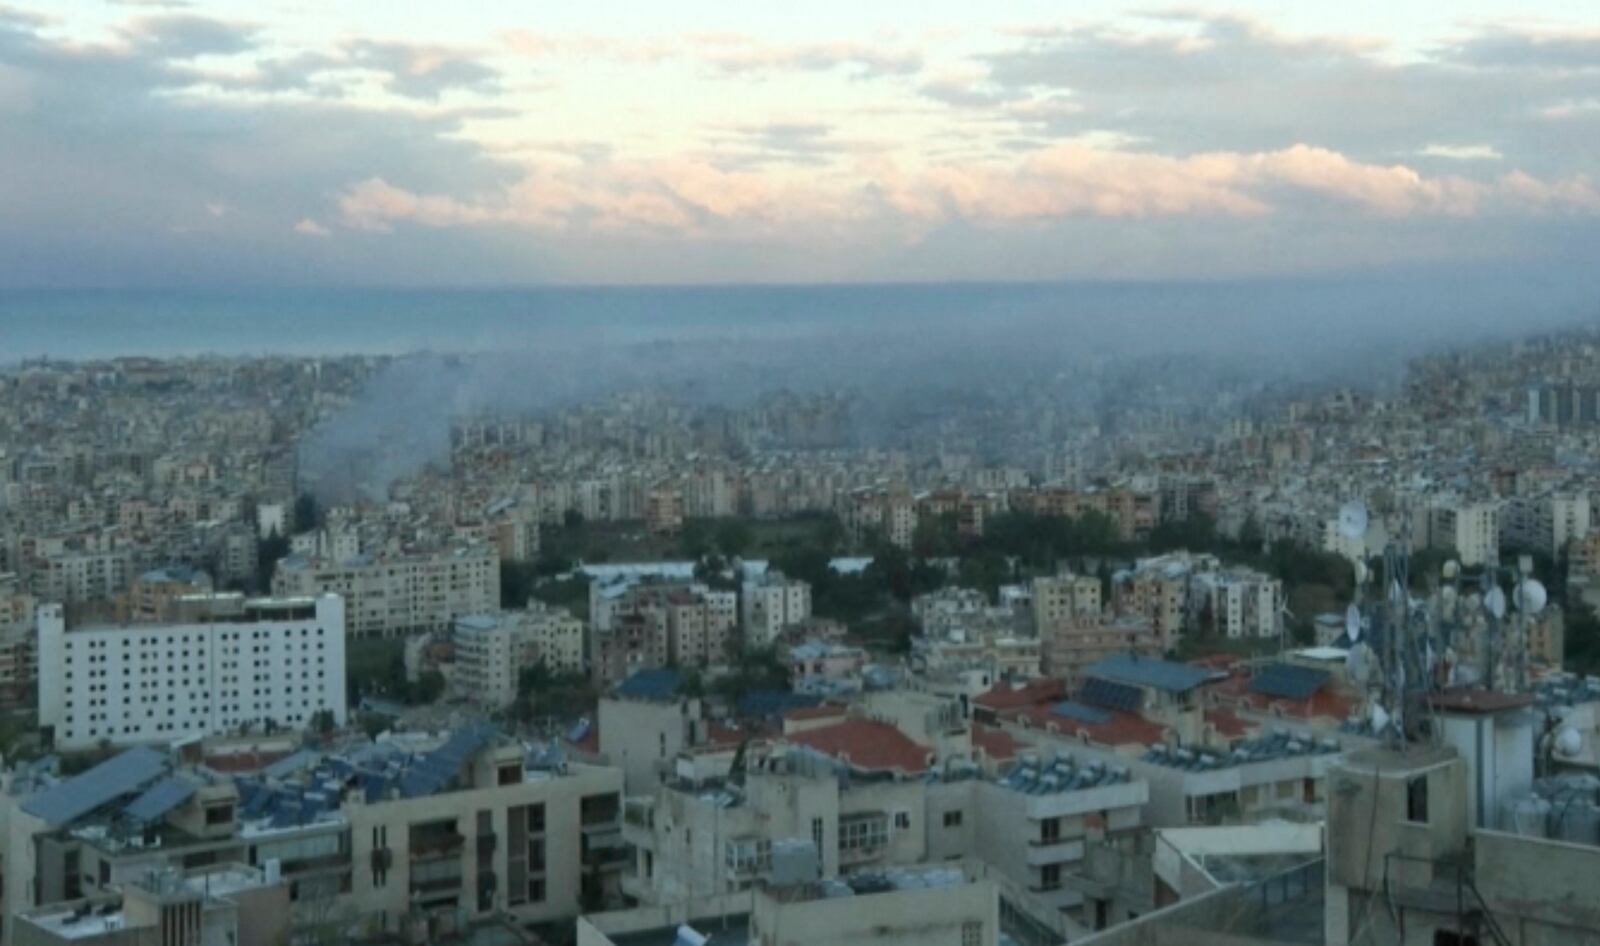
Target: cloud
(423,71)
(186,36)
(724,53)
(1462,152)
(1518,49)
(308,227)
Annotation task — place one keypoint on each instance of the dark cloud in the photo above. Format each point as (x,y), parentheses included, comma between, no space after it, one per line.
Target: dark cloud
(185,36)
(1230,84)
(424,72)
(1528,51)
(108,163)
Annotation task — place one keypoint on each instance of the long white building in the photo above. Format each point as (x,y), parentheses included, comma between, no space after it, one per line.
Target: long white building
(247,660)
(400,595)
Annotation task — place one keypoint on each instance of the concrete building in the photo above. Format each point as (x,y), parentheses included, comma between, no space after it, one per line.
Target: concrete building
(397,596)
(1472,529)
(771,602)
(663,510)
(656,624)
(946,905)
(492,650)
(246,662)
(154,594)
(421,835)
(227,905)
(1547,523)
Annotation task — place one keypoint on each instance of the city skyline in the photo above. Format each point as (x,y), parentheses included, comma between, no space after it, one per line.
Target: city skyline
(230,143)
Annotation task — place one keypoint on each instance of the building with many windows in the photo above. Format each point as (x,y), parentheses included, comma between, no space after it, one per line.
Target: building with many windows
(400,595)
(244,661)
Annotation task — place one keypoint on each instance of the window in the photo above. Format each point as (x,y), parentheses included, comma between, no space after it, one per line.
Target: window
(1417,800)
(1050,830)
(902,821)
(952,819)
(1050,877)
(972,934)
(536,891)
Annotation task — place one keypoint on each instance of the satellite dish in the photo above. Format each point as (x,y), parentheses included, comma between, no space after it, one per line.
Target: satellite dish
(1451,569)
(1355,664)
(1396,593)
(1530,596)
(1495,602)
(1380,718)
(1569,742)
(1362,574)
(1353,519)
(1352,623)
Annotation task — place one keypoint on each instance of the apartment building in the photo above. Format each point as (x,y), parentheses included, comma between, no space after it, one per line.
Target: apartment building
(73,577)
(246,661)
(492,650)
(401,595)
(663,510)
(423,834)
(655,624)
(1547,523)
(771,602)
(154,594)
(1472,529)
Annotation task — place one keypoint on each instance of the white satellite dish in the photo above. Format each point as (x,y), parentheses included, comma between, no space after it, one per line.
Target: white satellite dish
(1396,594)
(1355,664)
(1362,574)
(1353,519)
(1495,602)
(1530,596)
(1569,742)
(1451,569)
(1352,623)
(1380,718)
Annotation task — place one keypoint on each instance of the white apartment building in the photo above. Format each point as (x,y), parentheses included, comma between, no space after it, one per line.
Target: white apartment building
(1471,528)
(488,661)
(85,576)
(256,659)
(1242,603)
(1545,523)
(771,602)
(492,650)
(401,595)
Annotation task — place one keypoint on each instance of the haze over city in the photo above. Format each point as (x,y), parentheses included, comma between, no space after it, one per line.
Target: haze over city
(863,474)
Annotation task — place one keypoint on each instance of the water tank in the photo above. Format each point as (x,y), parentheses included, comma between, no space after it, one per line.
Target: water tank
(1527,816)
(1578,822)
(273,869)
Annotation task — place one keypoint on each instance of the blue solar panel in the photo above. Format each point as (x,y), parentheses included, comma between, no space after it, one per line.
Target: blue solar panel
(160,798)
(1081,713)
(1113,696)
(653,684)
(1149,672)
(434,771)
(765,704)
(120,775)
(1288,681)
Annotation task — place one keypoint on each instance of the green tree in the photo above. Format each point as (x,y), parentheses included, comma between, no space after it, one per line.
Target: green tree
(734,537)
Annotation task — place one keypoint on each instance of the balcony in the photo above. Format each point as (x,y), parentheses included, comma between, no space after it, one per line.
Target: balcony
(434,847)
(1057,851)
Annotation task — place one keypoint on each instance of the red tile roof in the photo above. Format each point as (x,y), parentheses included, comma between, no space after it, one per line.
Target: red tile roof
(1032,693)
(997,744)
(1228,723)
(820,711)
(867,744)
(1122,729)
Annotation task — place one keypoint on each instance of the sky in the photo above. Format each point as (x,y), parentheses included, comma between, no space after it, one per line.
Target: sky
(492,143)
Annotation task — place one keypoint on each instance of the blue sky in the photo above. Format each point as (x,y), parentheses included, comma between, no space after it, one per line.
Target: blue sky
(368,143)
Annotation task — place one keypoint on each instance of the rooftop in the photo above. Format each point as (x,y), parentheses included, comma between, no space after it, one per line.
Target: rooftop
(866,744)
(1149,672)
